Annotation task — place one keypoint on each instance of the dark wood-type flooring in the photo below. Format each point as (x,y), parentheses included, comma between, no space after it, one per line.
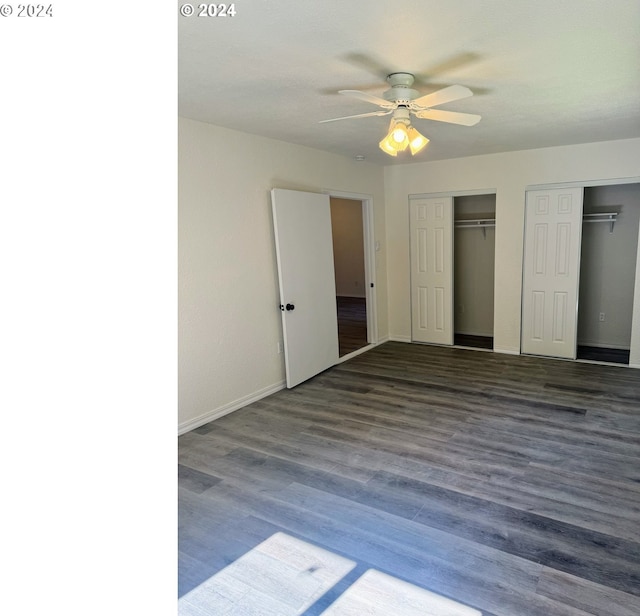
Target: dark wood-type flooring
(478,342)
(352,324)
(613,356)
(508,483)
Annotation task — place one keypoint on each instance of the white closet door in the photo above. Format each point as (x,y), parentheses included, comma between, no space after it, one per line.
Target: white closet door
(431,225)
(553,232)
(304,249)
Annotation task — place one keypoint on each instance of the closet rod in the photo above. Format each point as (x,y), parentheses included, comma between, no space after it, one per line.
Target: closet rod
(609,217)
(481,222)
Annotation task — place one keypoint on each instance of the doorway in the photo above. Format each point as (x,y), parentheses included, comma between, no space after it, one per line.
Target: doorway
(607,272)
(474,242)
(307,279)
(347,224)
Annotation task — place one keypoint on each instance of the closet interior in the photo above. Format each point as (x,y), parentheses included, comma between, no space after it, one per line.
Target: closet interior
(474,266)
(611,216)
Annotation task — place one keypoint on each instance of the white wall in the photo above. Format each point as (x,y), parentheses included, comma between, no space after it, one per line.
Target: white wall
(508,174)
(229,321)
(348,247)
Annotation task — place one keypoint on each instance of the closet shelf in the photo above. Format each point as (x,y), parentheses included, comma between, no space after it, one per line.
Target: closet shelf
(479,223)
(609,217)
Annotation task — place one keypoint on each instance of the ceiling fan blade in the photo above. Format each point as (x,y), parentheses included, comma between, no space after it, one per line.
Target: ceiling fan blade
(448,65)
(368,63)
(359,115)
(369,98)
(440,97)
(453,117)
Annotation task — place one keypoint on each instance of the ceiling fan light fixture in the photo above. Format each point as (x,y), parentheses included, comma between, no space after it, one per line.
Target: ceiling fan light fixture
(387,148)
(417,141)
(402,101)
(399,133)
(401,136)
(397,138)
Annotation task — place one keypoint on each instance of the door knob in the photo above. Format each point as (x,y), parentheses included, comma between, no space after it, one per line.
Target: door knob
(290,307)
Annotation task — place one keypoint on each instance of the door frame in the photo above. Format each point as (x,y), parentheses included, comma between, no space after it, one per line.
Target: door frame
(369,247)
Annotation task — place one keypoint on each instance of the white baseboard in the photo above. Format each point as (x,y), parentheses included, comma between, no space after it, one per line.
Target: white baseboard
(393,338)
(506,351)
(357,352)
(192,424)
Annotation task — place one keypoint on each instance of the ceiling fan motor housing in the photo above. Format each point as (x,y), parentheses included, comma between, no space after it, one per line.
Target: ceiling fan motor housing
(401,114)
(400,91)
(400,79)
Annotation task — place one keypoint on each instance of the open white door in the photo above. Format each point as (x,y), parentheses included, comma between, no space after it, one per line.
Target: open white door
(302,226)
(431,226)
(553,232)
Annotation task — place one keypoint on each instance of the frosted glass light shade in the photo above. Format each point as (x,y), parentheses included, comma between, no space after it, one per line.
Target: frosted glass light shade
(416,140)
(401,136)
(399,132)
(386,147)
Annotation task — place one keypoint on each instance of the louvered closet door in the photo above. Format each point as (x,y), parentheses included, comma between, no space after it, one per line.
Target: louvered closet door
(431,227)
(553,232)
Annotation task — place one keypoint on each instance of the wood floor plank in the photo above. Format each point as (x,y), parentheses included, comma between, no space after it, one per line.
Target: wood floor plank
(195,480)
(588,554)
(467,584)
(352,323)
(470,558)
(508,483)
(319,525)
(587,435)
(582,594)
(555,501)
(571,457)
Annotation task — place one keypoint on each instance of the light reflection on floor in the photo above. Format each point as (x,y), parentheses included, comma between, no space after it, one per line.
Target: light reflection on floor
(379,594)
(284,576)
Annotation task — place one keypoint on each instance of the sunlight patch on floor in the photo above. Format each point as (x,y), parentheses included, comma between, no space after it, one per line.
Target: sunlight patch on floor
(379,594)
(282,576)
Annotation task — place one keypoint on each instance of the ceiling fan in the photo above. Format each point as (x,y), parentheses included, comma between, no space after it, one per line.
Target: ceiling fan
(402,101)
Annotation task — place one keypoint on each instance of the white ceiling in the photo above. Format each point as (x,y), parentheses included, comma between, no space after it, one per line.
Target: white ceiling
(543,72)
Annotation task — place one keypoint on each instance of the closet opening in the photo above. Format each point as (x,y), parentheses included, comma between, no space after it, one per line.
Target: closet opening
(474,267)
(611,218)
